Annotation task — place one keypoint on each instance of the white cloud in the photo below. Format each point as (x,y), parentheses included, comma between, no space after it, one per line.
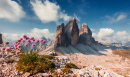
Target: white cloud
(106,35)
(122,36)
(48,11)
(11,10)
(115,18)
(36,33)
(92,30)
(105,32)
(39,33)
(77,18)
(11,36)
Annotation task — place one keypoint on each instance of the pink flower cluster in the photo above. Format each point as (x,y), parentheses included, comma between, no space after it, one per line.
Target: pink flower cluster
(18,44)
(6,48)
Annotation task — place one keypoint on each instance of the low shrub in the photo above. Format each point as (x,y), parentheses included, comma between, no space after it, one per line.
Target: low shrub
(48,56)
(33,63)
(71,65)
(97,68)
(84,66)
(66,70)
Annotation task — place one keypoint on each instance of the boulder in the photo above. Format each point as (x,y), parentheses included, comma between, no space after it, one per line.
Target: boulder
(27,74)
(1,41)
(72,32)
(46,75)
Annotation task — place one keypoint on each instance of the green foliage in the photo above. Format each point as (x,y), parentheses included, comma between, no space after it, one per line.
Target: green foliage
(48,56)
(33,63)
(66,70)
(71,65)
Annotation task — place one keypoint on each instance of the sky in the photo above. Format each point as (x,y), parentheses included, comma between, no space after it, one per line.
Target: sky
(109,20)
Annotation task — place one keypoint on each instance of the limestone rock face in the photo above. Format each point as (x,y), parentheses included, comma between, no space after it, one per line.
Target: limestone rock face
(1,41)
(85,35)
(72,32)
(60,36)
(85,29)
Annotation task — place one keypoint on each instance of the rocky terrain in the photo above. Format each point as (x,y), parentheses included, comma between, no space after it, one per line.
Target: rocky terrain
(95,71)
(70,38)
(83,50)
(77,46)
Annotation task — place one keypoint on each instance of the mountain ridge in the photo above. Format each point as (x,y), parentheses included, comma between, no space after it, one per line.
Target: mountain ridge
(70,34)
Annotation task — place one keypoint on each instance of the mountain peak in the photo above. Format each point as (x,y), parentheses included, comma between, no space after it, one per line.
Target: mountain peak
(84,25)
(71,34)
(85,29)
(73,18)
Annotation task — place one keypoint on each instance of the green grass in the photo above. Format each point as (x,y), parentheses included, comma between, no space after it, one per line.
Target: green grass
(34,63)
(66,70)
(71,65)
(48,56)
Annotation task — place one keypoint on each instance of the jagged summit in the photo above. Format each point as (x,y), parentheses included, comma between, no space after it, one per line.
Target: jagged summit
(73,19)
(72,32)
(70,39)
(72,35)
(85,29)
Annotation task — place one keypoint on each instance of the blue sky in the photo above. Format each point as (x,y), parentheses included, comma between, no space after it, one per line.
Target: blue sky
(109,20)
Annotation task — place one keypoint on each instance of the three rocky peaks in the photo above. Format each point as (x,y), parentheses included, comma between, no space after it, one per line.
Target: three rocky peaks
(71,34)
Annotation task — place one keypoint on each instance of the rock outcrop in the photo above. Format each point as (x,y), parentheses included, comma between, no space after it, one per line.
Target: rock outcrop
(1,41)
(85,35)
(60,36)
(71,34)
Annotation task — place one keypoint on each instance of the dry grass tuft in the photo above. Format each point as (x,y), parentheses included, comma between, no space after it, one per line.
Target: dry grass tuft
(9,61)
(97,68)
(122,52)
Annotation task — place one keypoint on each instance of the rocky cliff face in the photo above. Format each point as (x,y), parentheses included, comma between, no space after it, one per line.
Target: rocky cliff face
(71,34)
(60,36)
(85,35)
(1,41)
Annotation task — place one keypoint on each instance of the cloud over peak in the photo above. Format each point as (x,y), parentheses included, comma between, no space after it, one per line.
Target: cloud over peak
(48,11)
